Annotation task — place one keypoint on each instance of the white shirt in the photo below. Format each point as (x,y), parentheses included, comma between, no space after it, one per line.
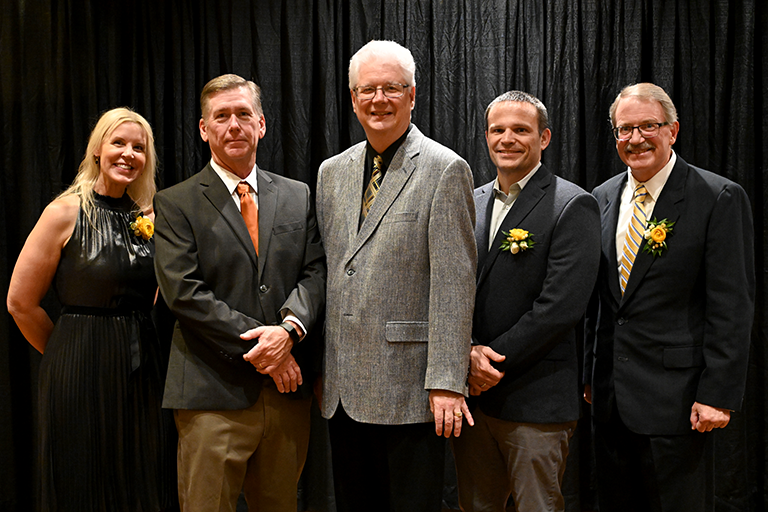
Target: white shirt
(231,181)
(503,202)
(654,186)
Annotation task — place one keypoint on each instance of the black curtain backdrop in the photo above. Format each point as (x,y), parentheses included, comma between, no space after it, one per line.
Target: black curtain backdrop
(64,62)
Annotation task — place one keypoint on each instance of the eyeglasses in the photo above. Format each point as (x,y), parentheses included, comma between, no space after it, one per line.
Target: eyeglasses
(647,130)
(367,92)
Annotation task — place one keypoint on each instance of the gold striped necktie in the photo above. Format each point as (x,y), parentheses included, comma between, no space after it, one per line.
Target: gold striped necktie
(373,186)
(634,237)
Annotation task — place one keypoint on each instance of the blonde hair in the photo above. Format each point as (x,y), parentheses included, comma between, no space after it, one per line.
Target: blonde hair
(142,189)
(646,91)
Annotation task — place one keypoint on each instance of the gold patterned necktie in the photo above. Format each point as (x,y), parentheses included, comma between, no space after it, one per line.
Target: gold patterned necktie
(373,186)
(634,237)
(250,212)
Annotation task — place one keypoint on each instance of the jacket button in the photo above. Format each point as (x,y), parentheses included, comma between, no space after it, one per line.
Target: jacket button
(263,288)
(621,321)
(351,272)
(623,359)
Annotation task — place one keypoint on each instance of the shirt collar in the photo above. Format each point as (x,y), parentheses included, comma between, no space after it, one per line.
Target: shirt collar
(231,179)
(522,183)
(657,182)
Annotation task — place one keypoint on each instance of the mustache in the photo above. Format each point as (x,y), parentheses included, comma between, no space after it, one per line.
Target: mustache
(643,146)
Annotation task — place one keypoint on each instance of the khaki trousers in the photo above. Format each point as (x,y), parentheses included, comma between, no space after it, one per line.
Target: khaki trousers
(260,450)
(497,459)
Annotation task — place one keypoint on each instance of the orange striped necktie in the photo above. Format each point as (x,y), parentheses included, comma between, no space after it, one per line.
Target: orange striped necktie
(250,212)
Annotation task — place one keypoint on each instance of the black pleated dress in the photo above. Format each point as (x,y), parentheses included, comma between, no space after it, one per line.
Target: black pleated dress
(105,445)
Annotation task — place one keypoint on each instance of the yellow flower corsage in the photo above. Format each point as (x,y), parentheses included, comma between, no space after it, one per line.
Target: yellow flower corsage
(656,233)
(517,240)
(143,227)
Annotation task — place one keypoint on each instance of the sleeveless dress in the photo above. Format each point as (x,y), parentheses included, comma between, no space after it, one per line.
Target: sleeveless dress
(106,444)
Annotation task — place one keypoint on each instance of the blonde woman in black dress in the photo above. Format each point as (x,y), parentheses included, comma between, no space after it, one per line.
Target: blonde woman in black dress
(105,445)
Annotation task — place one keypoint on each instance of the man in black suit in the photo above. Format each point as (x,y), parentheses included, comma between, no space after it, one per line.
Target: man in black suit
(244,291)
(538,240)
(668,339)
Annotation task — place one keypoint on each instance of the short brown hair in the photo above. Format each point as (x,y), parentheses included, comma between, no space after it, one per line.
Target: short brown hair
(227,83)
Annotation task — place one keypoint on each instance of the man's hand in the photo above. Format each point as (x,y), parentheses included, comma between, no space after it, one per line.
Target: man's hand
(274,346)
(704,417)
(449,409)
(483,376)
(287,376)
(588,393)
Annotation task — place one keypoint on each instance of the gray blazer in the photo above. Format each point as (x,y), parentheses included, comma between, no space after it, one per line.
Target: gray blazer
(218,288)
(401,289)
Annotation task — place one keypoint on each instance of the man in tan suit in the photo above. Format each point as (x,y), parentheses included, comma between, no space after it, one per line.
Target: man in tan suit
(396,216)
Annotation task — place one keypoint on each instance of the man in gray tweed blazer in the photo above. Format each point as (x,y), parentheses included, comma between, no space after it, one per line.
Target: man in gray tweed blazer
(396,217)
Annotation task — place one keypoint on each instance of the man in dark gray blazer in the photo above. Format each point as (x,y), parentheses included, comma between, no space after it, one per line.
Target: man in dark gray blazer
(395,213)
(538,239)
(668,339)
(244,294)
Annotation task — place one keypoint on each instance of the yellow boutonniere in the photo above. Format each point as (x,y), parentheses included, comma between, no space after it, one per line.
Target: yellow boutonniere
(656,233)
(517,240)
(143,227)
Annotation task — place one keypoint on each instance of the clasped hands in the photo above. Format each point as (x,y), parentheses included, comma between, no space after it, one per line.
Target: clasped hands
(272,356)
(482,375)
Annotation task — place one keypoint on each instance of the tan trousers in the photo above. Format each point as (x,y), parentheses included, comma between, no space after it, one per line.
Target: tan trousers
(260,450)
(497,459)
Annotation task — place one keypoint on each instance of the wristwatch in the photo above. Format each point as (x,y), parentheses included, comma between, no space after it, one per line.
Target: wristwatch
(292,332)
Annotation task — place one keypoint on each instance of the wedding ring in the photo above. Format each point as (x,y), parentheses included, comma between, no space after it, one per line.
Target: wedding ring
(458,414)
(482,385)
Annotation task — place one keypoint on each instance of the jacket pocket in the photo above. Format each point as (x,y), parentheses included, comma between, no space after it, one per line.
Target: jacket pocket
(400,217)
(683,357)
(288,227)
(407,332)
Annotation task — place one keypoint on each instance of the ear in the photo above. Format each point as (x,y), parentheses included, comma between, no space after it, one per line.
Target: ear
(354,100)
(203,132)
(262,126)
(675,128)
(546,137)
(412,91)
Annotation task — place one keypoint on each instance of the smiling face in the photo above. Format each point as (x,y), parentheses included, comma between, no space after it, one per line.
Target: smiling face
(232,129)
(383,119)
(121,159)
(645,157)
(514,141)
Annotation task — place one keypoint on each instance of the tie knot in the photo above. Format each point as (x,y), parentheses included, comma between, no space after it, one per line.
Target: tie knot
(243,188)
(640,193)
(377,163)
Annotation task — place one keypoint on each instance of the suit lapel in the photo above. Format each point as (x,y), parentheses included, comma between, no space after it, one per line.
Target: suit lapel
(353,193)
(667,207)
(400,170)
(609,218)
(216,192)
(483,213)
(529,197)
(267,207)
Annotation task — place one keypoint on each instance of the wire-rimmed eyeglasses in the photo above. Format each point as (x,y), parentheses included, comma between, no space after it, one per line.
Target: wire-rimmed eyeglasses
(647,130)
(367,92)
